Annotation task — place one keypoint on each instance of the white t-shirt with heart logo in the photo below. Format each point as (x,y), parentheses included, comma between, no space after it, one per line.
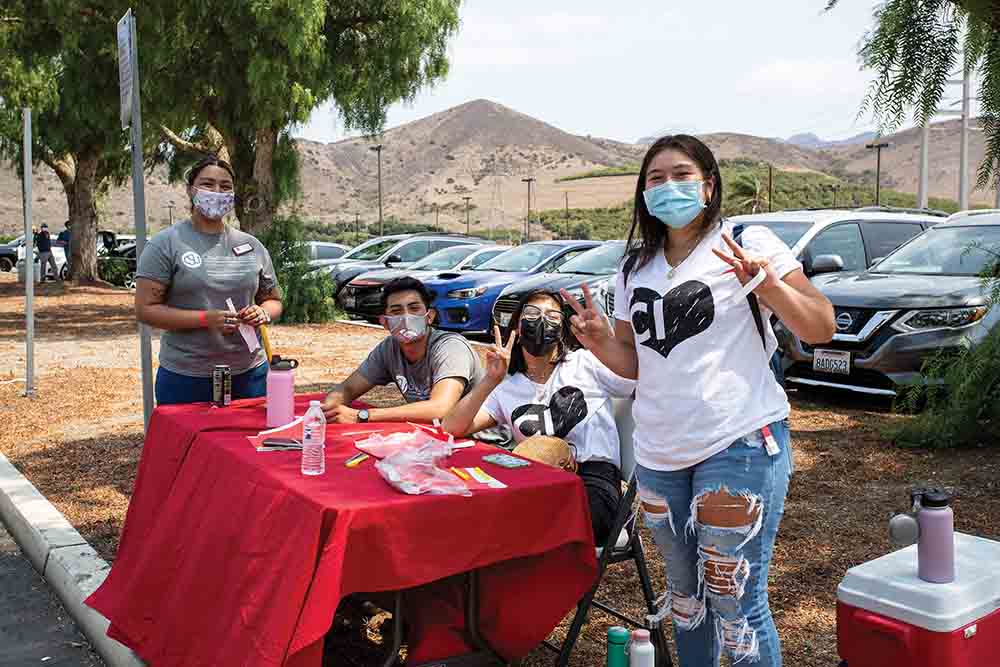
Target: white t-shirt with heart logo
(574,404)
(704,380)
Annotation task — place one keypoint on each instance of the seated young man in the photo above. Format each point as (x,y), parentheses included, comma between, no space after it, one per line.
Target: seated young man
(432,369)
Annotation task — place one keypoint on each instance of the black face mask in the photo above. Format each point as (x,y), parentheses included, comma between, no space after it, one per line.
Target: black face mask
(538,337)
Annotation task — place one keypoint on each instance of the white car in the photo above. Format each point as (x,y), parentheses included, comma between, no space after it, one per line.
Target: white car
(58,254)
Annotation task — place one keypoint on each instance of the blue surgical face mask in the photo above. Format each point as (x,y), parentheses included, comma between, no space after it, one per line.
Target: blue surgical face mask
(675,203)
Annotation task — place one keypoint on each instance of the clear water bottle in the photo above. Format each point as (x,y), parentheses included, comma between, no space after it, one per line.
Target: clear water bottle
(314,440)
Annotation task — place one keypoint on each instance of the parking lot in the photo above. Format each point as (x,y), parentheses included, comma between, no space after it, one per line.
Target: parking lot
(79,440)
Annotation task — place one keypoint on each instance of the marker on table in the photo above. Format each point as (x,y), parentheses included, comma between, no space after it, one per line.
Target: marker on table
(460,473)
(356,459)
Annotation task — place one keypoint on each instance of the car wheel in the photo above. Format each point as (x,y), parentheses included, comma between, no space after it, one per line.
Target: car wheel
(64,272)
(130,280)
(6,264)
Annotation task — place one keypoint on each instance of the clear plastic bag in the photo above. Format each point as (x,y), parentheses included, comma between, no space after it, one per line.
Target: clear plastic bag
(414,470)
(380,446)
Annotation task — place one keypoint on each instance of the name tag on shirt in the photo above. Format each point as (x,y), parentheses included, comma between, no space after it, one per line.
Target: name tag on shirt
(242,249)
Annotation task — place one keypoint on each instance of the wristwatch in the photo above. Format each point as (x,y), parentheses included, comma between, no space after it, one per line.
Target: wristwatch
(363,416)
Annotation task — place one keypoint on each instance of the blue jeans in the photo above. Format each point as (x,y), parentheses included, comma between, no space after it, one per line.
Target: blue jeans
(174,388)
(715,524)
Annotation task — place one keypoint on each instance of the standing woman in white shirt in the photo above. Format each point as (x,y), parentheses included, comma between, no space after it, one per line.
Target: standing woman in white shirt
(711,438)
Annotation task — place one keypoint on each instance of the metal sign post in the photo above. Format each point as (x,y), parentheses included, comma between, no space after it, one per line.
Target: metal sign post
(29,264)
(131,114)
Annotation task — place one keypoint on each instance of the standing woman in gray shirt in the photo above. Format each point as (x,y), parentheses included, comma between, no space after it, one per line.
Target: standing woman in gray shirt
(185,275)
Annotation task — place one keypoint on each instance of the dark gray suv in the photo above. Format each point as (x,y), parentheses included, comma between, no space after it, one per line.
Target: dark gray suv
(926,296)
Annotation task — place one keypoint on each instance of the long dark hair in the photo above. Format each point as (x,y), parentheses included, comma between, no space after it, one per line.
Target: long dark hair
(567,341)
(653,232)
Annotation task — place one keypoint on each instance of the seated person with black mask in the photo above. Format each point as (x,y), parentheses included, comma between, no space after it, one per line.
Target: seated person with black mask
(556,400)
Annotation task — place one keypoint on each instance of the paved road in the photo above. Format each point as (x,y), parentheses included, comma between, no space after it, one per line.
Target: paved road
(34,627)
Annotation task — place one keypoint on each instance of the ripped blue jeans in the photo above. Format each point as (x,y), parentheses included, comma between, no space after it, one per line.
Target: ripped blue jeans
(715,524)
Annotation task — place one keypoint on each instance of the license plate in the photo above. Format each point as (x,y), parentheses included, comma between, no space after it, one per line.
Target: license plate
(505,319)
(832,361)
(350,301)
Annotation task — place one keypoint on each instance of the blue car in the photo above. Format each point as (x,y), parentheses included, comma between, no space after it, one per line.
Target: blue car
(465,303)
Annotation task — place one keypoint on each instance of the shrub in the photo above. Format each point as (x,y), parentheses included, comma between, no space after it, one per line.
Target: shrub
(307,296)
(114,270)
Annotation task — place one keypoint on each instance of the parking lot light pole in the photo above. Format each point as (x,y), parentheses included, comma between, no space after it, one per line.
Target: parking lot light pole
(468,225)
(877,147)
(527,221)
(378,149)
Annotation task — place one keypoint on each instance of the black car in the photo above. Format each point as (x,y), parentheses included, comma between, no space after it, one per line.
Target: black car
(396,251)
(593,268)
(362,297)
(8,254)
(123,255)
(925,297)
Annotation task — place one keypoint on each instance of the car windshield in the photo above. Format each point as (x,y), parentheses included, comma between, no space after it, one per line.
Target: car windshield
(947,251)
(371,249)
(446,258)
(788,231)
(601,261)
(476,263)
(521,258)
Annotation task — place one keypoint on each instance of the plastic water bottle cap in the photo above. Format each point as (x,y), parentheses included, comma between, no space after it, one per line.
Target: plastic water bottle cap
(314,404)
(640,635)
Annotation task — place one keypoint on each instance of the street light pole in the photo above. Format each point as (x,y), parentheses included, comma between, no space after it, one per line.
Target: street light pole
(527,221)
(567,213)
(770,187)
(468,225)
(878,146)
(378,149)
(170,212)
(357,222)
(835,187)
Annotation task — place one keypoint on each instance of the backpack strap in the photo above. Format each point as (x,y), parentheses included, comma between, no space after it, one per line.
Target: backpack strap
(751,297)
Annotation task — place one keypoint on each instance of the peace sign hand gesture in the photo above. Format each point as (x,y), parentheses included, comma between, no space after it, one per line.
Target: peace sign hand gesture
(589,324)
(746,267)
(498,356)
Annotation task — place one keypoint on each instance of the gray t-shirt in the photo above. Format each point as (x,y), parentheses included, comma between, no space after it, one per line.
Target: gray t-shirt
(201,271)
(449,355)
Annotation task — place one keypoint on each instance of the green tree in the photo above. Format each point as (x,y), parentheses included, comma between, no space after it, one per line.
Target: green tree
(249,71)
(749,192)
(914,47)
(58,57)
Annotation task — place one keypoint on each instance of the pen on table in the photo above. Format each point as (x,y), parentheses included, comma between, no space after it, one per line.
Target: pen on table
(461,474)
(355,460)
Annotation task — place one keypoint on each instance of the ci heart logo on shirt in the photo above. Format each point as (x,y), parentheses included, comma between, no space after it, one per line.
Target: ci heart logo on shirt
(661,323)
(565,410)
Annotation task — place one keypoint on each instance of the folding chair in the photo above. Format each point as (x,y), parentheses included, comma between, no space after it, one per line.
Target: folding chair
(624,544)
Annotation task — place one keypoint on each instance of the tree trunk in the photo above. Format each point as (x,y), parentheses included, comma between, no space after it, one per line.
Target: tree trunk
(255,195)
(80,196)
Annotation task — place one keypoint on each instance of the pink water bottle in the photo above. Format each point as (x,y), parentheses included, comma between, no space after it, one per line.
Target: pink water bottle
(936,545)
(281,391)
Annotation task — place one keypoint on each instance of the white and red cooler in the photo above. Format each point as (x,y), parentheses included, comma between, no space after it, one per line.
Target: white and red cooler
(888,617)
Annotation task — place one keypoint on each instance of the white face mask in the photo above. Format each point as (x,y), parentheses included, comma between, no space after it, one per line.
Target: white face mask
(407,328)
(213,205)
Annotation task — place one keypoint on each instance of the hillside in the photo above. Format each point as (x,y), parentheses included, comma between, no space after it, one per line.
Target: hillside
(483,150)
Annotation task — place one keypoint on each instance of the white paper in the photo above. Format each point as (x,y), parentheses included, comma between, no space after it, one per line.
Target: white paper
(248,332)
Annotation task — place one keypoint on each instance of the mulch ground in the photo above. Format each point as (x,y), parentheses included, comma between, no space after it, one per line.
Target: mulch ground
(79,441)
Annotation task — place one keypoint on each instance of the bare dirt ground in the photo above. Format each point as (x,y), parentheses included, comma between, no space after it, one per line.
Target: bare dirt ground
(79,440)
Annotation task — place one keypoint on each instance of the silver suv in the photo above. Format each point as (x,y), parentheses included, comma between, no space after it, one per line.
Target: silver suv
(832,240)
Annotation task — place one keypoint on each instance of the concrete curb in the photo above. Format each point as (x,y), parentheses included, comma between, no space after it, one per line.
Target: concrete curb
(62,556)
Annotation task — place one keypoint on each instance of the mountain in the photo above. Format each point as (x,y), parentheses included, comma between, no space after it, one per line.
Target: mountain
(813,142)
(484,150)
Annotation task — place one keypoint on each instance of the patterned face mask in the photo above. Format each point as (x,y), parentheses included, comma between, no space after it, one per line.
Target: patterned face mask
(213,205)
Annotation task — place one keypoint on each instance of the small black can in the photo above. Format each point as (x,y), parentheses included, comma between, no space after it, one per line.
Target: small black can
(222,385)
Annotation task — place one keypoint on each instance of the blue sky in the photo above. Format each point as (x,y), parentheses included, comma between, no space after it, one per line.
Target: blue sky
(632,68)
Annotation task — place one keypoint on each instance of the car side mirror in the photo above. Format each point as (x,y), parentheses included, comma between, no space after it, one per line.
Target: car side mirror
(393,259)
(827,264)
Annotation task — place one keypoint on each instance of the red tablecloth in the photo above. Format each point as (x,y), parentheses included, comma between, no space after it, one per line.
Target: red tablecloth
(232,557)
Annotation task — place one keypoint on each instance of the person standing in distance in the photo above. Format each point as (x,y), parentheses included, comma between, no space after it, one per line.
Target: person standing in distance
(711,438)
(183,279)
